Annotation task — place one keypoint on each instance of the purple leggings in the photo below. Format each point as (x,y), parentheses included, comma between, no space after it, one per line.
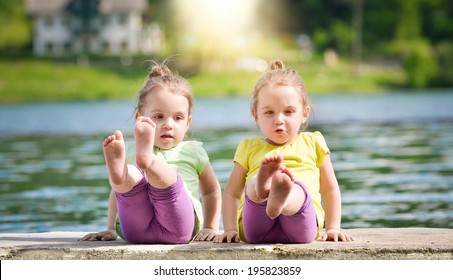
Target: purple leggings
(149,215)
(302,227)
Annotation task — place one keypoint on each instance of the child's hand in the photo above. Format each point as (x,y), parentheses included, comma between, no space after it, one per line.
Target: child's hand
(107,235)
(228,236)
(336,235)
(206,234)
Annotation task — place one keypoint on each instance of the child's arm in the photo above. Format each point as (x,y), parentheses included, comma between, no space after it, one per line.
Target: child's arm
(212,199)
(331,197)
(230,204)
(111,218)
(110,233)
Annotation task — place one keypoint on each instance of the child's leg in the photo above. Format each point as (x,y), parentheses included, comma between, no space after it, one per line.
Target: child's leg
(150,215)
(135,212)
(285,197)
(174,213)
(255,222)
(121,177)
(302,226)
(282,197)
(159,174)
(274,184)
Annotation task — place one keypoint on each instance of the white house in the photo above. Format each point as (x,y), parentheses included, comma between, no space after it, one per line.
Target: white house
(94,26)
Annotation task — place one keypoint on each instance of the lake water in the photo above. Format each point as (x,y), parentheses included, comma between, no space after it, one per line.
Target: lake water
(393,156)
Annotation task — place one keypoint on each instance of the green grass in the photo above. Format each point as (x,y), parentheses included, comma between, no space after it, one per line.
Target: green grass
(27,81)
(40,80)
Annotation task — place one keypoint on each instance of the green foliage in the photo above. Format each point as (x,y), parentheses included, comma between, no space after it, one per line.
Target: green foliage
(445,59)
(342,34)
(419,64)
(409,20)
(321,39)
(15,27)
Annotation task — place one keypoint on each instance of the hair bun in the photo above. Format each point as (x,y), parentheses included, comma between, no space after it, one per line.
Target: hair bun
(277,64)
(159,70)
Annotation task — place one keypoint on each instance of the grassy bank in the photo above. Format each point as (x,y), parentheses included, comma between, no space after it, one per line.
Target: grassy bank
(32,80)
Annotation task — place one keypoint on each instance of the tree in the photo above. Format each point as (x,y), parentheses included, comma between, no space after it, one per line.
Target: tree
(15,27)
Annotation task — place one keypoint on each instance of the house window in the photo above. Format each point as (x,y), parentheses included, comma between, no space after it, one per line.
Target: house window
(104,20)
(66,21)
(67,46)
(49,47)
(105,46)
(122,19)
(124,46)
(48,21)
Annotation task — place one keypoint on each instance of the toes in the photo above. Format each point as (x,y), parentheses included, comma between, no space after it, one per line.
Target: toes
(118,135)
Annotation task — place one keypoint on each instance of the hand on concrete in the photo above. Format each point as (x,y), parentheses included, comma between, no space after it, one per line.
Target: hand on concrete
(107,235)
(206,234)
(336,235)
(228,236)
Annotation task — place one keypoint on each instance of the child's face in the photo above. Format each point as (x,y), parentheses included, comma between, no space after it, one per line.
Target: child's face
(170,113)
(280,113)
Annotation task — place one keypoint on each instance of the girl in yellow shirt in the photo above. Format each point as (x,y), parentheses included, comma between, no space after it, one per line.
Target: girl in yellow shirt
(275,189)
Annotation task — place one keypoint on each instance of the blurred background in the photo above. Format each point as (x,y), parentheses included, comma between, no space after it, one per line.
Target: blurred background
(379,73)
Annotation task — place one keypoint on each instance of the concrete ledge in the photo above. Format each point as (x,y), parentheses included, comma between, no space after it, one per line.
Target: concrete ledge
(370,244)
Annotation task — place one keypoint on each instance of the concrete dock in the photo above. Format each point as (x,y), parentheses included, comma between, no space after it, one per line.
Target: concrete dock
(370,244)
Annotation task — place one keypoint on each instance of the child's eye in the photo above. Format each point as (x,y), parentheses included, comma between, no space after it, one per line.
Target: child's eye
(289,112)
(268,112)
(158,116)
(179,118)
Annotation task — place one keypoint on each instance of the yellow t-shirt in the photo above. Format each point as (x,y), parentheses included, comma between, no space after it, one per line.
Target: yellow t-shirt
(303,157)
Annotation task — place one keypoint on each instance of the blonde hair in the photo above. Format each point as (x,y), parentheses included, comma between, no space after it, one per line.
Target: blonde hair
(160,76)
(280,76)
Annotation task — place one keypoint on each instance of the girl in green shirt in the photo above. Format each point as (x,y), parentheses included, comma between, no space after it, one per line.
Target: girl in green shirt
(157,199)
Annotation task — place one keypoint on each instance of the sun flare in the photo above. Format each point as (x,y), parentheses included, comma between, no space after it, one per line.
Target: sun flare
(215,25)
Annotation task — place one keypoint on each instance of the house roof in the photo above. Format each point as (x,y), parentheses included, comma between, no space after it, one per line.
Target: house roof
(43,7)
(46,7)
(111,6)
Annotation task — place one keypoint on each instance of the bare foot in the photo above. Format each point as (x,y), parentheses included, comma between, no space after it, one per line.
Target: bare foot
(269,166)
(115,158)
(144,131)
(282,184)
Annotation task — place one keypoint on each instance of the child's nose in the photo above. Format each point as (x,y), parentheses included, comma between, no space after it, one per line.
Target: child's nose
(279,119)
(168,123)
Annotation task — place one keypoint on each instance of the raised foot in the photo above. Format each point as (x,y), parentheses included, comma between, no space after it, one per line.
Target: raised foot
(269,166)
(144,131)
(115,157)
(282,184)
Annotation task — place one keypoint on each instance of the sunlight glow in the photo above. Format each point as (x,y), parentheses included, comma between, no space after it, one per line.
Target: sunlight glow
(215,26)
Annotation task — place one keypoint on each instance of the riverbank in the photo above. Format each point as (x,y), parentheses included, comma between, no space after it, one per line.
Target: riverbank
(101,78)
(370,244)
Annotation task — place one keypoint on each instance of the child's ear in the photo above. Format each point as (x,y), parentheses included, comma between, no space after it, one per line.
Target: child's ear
(255,117)
(307,111)
(137,114)
(189,120)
